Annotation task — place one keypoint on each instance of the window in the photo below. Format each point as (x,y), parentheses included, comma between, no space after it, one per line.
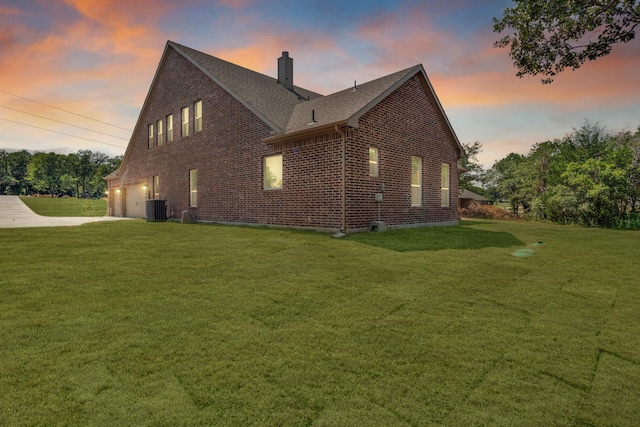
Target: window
(150,136)
(193,188)
(416,181)
(156,187)
(373,162)
(185,122)
(444,185)
(273,172)
(160,136)
(170,128)
(198,111)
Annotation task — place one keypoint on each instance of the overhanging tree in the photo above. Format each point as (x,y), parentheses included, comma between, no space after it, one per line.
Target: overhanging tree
(547,36)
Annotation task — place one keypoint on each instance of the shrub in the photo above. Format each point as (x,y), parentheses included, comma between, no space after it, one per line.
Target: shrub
(476,210)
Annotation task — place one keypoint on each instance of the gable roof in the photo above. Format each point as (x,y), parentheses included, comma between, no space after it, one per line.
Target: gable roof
(261,94)
(466,194)
(289,113)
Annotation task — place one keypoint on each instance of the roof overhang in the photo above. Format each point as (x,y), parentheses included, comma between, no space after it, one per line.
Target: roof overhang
(284,138)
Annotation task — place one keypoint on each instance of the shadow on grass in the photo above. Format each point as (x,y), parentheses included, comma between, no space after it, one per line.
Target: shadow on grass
(437,238)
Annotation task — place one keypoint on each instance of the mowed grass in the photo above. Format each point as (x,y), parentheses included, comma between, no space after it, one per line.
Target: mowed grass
(66,206)
(135,323)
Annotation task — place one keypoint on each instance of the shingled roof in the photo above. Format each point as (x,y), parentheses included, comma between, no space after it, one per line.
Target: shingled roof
(262,94)
(292,113)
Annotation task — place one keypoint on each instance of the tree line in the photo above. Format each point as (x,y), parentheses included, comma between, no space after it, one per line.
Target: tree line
(78,174)
(589,177)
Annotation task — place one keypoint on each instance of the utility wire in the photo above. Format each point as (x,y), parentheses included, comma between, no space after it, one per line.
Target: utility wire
(65,123)
(62,133)
(66,111)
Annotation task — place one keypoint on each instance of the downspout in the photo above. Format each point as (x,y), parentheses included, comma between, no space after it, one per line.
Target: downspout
(344,178)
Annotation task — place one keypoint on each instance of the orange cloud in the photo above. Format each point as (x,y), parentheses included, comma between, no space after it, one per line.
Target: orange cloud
(96,61)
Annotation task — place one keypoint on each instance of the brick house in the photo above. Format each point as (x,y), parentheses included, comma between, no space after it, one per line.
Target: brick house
(231,145)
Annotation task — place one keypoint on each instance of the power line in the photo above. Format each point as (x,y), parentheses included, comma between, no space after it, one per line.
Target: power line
(66,111)
(62,133)
(65,123)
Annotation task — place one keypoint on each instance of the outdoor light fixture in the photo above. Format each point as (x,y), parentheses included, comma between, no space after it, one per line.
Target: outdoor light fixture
(117,190)
(106,192)
(144,187)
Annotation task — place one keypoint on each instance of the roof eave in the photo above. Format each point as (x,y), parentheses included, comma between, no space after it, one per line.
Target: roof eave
(284,138)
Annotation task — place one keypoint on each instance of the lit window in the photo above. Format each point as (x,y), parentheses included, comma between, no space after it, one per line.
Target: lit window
(373,162)
(160,136)
(170,128)
(444,185)
(193,188)
(273,172)
(416,181)
(185,122)
(156,187)
(198,110)
(150,136)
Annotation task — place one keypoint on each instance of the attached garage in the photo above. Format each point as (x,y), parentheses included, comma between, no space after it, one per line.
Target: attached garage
(134,202)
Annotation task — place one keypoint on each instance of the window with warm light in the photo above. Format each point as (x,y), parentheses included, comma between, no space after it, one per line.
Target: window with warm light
(185,122)
(444,185)
(156,187)
(272,169)
(373,162)
(150,136)
(416,181)
(193,188)
(160,135)
(170,128)
(198,116)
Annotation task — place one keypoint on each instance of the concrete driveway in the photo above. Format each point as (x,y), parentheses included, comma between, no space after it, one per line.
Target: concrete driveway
(15,214)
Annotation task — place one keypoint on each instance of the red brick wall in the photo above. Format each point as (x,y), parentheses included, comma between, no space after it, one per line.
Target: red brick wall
(228,154)
(404,124)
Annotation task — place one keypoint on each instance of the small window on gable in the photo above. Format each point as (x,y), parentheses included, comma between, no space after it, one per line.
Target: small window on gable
(198,116)
(193,188)
(416,181)
(373,162)
(170,128)
(150,136)
(444,185)
(160,134)
(185,122)
(272,168)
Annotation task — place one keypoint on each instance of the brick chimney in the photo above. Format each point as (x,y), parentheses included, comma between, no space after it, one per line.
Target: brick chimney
(285,71)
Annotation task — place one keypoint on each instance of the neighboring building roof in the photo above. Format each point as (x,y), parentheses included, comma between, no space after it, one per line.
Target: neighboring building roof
(466,194)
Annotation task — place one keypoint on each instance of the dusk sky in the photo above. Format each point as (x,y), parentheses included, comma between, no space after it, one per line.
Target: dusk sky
(97,58)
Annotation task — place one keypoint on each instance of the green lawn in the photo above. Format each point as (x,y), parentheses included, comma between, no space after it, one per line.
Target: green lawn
(70,206)
(136,323)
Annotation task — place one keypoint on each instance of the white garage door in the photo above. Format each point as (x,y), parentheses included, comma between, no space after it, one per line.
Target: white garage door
(134,202)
